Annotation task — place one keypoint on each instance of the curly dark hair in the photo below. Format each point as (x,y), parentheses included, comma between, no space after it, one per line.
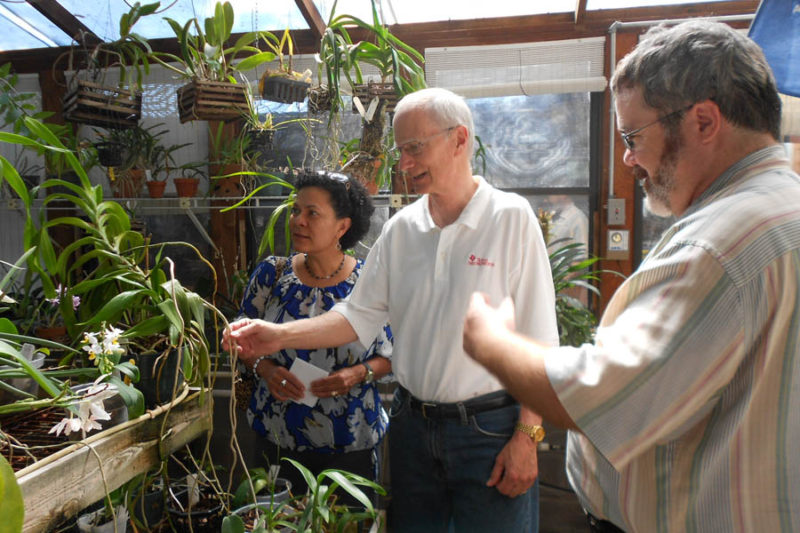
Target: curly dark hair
(349,198)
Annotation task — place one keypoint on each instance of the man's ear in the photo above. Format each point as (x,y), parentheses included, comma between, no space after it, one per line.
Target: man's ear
(708,120)
(461,137)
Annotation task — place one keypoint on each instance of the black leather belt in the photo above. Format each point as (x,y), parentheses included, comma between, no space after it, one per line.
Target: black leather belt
(487,402)
(598,525)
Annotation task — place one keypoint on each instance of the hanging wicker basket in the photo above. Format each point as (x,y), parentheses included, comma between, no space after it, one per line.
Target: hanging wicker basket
(87,102)
(284,90)
(320,100)
(384,91)
(211,100)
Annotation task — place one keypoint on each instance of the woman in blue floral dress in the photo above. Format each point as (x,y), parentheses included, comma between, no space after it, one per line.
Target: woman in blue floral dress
(347,422)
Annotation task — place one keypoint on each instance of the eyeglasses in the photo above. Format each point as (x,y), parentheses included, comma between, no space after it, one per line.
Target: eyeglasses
(336,176)
(415,147)
(627,138)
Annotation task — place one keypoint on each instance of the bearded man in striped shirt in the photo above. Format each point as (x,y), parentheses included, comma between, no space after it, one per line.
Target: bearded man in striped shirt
(685,412)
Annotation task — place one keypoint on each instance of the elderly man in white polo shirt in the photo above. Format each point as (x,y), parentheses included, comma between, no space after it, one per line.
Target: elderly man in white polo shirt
(462,451)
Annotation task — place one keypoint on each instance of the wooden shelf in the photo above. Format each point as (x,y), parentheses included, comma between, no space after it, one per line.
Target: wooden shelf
(61,485)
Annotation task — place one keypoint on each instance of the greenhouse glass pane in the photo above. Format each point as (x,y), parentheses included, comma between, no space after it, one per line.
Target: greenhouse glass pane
(409,11)
(249,15)
(534,141)
(24,27)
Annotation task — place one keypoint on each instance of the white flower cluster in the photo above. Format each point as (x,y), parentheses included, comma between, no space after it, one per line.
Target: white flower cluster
(104,348)
(90,409)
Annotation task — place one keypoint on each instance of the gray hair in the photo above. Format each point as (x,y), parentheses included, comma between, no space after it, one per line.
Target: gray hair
(446,109)
(703,60)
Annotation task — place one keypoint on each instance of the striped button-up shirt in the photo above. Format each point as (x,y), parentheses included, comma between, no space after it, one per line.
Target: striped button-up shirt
(689,401)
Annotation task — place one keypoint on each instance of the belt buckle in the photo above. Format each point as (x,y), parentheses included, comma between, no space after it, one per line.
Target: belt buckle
(423,405)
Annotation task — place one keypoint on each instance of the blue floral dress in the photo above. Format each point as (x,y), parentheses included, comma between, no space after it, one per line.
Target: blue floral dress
(352,422)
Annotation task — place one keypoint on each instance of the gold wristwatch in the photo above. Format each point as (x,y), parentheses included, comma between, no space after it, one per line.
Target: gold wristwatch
(536,433)
(370,377)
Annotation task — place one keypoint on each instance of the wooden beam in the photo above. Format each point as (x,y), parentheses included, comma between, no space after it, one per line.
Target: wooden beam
(499,30)
(66,21)
(580,11)
(312,16)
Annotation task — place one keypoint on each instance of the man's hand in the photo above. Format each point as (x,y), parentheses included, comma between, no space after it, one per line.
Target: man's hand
(516,467)
(483,322)
(251,338)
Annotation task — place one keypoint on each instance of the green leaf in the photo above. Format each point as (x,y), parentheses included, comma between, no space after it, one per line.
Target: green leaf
(254,60)
(114,308)
(12,506)
(232,524)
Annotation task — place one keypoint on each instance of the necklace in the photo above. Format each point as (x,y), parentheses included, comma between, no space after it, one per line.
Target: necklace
(308,269)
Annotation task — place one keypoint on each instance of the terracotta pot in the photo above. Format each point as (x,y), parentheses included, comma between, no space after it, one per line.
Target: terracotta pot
(54,333)
(186,187)
(128,184)
(156,188)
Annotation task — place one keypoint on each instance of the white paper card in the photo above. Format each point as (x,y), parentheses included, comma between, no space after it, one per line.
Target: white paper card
(306,372)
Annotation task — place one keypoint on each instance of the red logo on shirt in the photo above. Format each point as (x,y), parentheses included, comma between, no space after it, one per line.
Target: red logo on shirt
(479,261)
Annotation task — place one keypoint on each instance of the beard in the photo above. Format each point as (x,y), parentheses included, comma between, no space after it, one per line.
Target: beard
(662,183)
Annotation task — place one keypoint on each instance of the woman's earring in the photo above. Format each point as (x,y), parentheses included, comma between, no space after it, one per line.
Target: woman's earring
(339,246)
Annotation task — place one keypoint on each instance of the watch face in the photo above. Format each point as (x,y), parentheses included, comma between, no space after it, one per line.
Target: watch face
(539,432)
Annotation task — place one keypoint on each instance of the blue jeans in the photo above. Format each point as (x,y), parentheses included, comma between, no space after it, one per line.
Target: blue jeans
(439,469)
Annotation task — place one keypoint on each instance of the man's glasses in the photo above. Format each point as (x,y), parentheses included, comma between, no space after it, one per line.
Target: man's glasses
(415,148)
(627,137)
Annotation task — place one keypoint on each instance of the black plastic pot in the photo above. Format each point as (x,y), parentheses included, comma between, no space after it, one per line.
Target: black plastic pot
(148,508)
(109,153)
(157,377)
(204,516)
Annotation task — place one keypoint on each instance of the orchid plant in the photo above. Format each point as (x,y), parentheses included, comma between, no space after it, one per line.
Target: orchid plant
(86,411)
(50,314)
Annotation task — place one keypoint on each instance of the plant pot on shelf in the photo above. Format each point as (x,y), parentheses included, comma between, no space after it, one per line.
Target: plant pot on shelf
(211,100)
(186,187)
(204,515)
(156,188)
(91,103)
(278,88)
(52,333)
(109,153)
(159,377)
(24,385)
(262,513)
(94,522)
(129,183)
(148,508)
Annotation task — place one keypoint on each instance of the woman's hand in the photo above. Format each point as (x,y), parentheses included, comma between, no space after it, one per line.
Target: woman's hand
(282,384)
(340,382)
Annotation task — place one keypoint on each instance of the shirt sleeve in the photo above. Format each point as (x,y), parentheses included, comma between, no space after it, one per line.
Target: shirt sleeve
(670,340)
(534,296)
(367,308)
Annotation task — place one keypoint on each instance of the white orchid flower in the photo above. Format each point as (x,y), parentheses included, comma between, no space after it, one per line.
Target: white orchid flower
(90,409)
